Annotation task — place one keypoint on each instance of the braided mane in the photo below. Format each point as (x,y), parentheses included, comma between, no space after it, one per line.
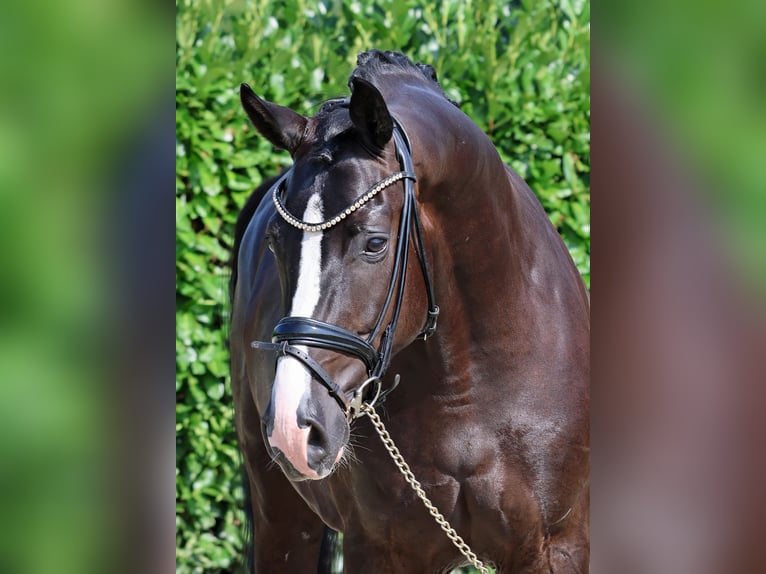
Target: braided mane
(375,65)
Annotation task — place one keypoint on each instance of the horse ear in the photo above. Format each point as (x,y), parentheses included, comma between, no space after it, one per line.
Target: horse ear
(369,112)
(281,126)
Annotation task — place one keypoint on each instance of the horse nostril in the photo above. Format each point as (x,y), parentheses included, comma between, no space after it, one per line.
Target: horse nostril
(318,447)
(315,438)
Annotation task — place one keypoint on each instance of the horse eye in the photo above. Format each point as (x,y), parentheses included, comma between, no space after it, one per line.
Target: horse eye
(376,244)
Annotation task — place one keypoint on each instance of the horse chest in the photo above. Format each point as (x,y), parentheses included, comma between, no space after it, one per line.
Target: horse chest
(465,474)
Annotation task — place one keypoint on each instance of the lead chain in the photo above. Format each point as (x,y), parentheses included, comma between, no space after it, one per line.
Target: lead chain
(404,468)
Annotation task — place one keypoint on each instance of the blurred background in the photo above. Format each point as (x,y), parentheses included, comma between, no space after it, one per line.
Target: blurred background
(93,476)
(678,330)
(86,248)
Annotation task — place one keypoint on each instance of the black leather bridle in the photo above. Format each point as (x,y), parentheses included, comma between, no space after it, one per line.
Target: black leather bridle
(293,331)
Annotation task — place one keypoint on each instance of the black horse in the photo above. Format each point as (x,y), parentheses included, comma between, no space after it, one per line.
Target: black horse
(400,244)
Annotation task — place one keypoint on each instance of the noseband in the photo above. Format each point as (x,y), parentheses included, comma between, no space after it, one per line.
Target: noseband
(293,331)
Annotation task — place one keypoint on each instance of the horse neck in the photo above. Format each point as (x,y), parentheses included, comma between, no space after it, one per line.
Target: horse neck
(467,201)
(496,256)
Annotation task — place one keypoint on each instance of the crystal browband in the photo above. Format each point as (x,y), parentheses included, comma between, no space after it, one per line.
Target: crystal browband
(364,198)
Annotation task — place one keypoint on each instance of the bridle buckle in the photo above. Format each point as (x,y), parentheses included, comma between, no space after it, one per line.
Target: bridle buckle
(433,317)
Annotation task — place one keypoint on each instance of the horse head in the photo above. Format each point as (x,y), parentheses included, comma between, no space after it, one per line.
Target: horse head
(339,235)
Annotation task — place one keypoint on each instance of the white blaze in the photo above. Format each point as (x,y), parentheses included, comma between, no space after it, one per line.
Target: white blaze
(292,379)
(307,291)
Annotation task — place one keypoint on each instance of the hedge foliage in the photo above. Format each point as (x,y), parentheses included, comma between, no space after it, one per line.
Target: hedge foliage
(520,70)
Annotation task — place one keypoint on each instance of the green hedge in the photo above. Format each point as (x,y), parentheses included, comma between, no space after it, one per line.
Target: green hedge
(520,71)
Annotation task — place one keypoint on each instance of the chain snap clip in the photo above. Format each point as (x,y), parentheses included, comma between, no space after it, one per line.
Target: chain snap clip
(355,407)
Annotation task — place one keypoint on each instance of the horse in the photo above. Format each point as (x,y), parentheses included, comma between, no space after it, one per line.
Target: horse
(400,270)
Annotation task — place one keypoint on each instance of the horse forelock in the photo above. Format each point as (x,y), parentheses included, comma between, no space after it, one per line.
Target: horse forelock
(330,120)
(333,104)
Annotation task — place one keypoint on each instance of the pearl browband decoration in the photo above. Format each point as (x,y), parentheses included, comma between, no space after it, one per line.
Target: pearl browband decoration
(364,198)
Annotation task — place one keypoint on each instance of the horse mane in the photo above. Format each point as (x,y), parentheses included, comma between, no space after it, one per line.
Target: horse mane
(375,65)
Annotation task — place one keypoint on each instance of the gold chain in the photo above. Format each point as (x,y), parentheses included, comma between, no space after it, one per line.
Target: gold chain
(404,468)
